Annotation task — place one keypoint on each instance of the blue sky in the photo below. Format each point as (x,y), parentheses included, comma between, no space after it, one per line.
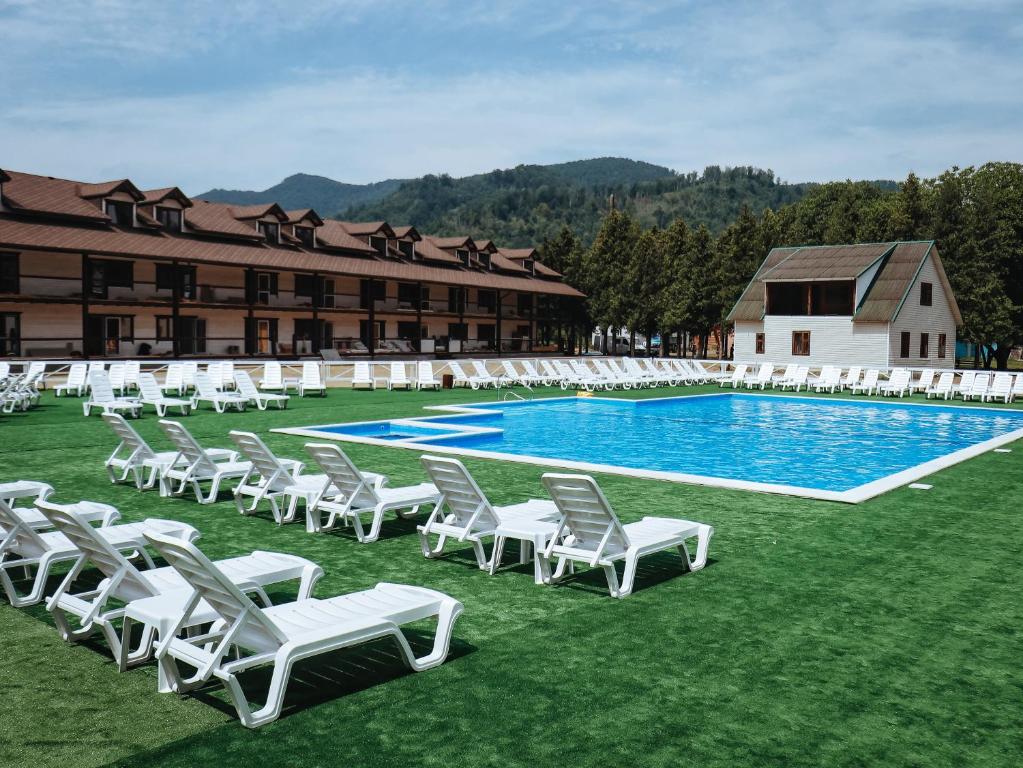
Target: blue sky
(242,94)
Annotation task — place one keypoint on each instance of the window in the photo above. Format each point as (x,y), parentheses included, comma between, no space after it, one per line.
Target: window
(375,288)
(407,331)
(379,244)
(486,332)
(304,285)
(380,332)
(120,212)
(904,345)
(169,218)
(761,344)
(10,333)
(525,304)
(109,274)
(456,299)
(407,248)
(487,301)
(926,294)
(9,282)
(527,264)
(925,340)
(307,235)
(117,328)
(271,231)
(811,298)
(164,328)
(186,280)
(941,345)
(265,287)
(458,331)
(408,293)
(463,256)
(801,343)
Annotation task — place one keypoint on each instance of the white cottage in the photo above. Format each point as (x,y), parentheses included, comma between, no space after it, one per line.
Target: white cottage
(879,305)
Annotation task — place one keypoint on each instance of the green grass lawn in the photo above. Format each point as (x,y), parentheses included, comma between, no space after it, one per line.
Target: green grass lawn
(820,633)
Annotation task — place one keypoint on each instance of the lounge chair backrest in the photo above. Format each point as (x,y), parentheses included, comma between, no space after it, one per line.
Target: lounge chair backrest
(247,625)
(740,372)
(831,375)
(509,369)
(457,372)
(272,375)
(460,493)
(398,373)
(926,378)
(870,377)
(97,550)
(966,380)
(852,375)
(36,369)
(213,371)
(980,383)
(766,372)
(189,370)
(549,370)
(311,375)
(1002,385)
(5,370)
(586,514)
(175,378)
(116,375)
(102,392)
(245,385)
(361,372)
(132,370)
(274,474)
(945,381)
(226,374)
(424,371)
(148,387)
(205,386)
(1017,386)
(129,438)
(481,369)
(900,377)
(96,365)
(187,446)
(529,368)
(18,535)
(343,474)
(75,376)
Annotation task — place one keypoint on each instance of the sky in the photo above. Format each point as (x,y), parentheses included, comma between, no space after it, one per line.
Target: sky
(242,94)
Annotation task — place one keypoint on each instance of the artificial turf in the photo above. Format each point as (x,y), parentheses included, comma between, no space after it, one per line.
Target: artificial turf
(819,634)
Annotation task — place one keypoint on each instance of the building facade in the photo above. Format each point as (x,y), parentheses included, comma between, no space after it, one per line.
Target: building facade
(877,305)
(111,270)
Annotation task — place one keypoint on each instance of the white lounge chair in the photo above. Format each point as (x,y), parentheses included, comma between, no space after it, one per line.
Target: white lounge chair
(350,494)
(851,378)
(102,396)
(226,380)
(398,377)
(94,366)
(13,491)
(188,373)
(273,379)
(75,382)
(965,383)
(285,634)
(24,547)
(1017,387)
(589,532)
(869,384)
(245,388)
(206,391)
(424,376)
(923,383)
(273,478)
(763,377)
(509,376)
(77,615)
(1001,388)
(174,380)
(979,388)
(311,380)
(362,377)
(531,375)
(464,513)
(830,379)
(898,383)
(150,393)
(484,376)
(116,375)
(132,371)
(737,377)
(708,376)
(798,381)
(194,465)
(943,388)
(551,373)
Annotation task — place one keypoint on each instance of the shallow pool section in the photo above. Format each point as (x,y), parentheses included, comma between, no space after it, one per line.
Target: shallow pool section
(842,450)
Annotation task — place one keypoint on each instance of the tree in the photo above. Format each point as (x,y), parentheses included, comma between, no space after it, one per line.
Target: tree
(602,269)
(644,283)
(738,254)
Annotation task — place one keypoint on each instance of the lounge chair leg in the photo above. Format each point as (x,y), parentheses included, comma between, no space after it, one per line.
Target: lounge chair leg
(496,554)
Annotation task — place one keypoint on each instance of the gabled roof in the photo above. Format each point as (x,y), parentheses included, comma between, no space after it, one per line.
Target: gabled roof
(542,270)
(367,228)
(427,249)
(259,211)
(518,253)
(32,194)
(407,231)
(497,261)
(486,245)
(900,263)
(157,196)
(303,214)
(105,188)
(333,235)
(218,219)
(463,241)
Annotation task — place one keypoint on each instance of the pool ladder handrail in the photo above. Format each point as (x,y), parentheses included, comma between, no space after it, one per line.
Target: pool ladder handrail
(511,393)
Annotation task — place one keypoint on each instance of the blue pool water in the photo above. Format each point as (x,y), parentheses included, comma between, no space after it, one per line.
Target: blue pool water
(809,443)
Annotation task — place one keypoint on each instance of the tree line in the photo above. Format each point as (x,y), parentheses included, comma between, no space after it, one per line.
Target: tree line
(683,278)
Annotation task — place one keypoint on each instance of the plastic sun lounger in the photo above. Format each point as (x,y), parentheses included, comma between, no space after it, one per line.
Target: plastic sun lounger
(75,382)
(898,383)
(150,393)
(737,377)
(425,378)
(464,513)
(1001,389)
(943,388)
(362,377)
(77,615)
(174,380)
(979,388)
(311,380)
(851,378)
(195,465)
(206,391)
(284,634)
(762,378)
(24,547)
(398,377)
(102,397)
(484,376)
(272,380)
(272,478)
(349,494)
(589,532)
(246,388)
(869,384)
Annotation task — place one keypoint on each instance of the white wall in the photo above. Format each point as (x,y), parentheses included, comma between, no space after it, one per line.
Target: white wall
(833,341)
(931,320)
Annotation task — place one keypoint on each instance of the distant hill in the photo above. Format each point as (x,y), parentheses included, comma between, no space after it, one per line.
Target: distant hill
(303,190)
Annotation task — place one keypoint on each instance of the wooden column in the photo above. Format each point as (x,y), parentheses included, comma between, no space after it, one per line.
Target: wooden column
(317,301)
(532,321)
(176,309)
(419,317)
(497,319)
(85,303)
(372,338)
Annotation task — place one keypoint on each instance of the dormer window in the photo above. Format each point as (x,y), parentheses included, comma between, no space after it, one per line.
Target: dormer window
(379,244)
(120,212)
(169,218)
(484,259)
(407,248)
(271,231)
(463,256)
(307,235)
(528,265)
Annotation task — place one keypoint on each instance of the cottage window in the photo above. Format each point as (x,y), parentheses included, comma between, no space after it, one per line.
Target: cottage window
(463,256)
(169,218)
(487,301)
(271,231)
(186,278)
(925,342)
(904,345)
(164,328)
(307,235)
(407,248)
(926,294)
(761,343)
(941,345)
(9,282)
(120,212)
(801,343)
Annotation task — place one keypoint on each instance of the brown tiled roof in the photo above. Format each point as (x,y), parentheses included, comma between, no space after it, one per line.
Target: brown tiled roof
(486,245)
(29,193)
(33,235)
(543,270)
(258,211)
(333,235)
(497,261)
(366,228)
(218,219)
(105,188)
(294,217)
(406,231)
(837,262)
(518,253)
(901,262)
(426,249)
(155,196)
(452,242)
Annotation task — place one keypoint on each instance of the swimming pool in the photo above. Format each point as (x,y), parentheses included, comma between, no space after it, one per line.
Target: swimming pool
(841,450)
